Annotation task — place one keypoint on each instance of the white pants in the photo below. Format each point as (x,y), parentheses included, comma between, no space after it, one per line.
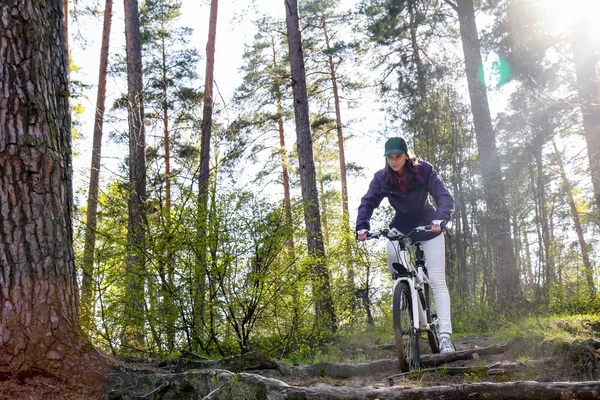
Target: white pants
(435,261)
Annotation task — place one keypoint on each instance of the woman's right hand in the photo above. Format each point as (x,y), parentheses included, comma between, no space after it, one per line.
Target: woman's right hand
(361,235)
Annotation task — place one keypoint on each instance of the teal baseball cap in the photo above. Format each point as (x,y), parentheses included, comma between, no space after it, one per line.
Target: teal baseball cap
(395,145)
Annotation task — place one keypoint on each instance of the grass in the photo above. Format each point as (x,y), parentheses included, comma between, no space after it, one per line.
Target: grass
(552,327)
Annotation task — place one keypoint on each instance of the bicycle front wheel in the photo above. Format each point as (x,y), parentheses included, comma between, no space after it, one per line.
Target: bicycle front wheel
(406,339)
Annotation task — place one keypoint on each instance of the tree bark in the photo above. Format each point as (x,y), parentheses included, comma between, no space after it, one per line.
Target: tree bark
(134,303)
(587,85)
(321,289)
(497,217)
(92,201)
(39,323)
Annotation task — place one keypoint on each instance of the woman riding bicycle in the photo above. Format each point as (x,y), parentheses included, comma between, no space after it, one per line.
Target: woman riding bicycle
(407,183)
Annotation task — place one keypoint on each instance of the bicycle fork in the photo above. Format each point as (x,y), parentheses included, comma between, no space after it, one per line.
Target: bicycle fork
(417,303)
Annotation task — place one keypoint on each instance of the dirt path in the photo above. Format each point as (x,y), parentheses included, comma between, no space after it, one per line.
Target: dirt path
(478,369)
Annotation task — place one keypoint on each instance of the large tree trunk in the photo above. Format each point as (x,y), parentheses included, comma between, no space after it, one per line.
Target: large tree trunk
(321,290)
(39,323)
(497,216)
(587,84)
(134,304)
(92,201)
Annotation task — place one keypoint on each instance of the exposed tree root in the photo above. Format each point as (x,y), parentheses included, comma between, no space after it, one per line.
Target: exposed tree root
(256,376)
(213,384)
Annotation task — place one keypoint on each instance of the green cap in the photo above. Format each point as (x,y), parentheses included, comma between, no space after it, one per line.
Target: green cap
(395,145)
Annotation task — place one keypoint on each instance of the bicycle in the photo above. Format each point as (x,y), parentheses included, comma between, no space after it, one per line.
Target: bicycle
(411,308)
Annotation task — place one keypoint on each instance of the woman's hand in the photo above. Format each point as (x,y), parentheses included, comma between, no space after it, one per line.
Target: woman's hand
(361,235)
(436,225)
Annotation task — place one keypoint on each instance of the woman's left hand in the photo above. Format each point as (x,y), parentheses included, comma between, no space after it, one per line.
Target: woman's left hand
(436,225)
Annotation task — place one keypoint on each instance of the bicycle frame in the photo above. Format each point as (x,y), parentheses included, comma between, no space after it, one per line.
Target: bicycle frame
(415,277)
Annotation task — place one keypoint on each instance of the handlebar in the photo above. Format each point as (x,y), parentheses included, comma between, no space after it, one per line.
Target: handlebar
(395,235)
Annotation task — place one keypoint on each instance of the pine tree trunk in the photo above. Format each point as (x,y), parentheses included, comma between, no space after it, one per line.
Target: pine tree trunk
(416,56)
(540,272)
(87,280)
(208,105)
(321,290)
(587,84)
(348,235)
(497,219)
(39,323)
(166,270)
(287,199)
(550,276)
(204,175)
(134,304)
(166,137)
(284,157)
(585,255)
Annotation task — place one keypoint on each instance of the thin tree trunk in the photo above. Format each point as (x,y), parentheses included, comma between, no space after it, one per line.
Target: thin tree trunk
(204,173)
(585,256)
(167,270)
(421,81)
(539,272)
(284,157)
(287,200)
(321,290)
(587,84)
(544,219)
(39,322)
(348,236)
(166,137)
(503,258)
(517,241)
(134,335)
(87,281)
(208,105)
(324,219)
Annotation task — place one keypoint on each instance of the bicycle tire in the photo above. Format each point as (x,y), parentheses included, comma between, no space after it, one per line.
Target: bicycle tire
(432,336)
(406,339)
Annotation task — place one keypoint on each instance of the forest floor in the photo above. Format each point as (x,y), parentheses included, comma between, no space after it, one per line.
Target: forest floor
(479,369)
(517,368)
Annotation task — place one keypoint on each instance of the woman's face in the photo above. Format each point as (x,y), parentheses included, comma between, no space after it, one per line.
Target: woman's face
(397,161)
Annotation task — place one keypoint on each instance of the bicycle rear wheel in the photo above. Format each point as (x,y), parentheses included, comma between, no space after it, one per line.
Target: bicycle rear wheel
(432,334)
(406,339)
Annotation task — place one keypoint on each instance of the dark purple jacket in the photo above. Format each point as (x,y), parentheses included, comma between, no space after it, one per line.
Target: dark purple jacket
(413,208)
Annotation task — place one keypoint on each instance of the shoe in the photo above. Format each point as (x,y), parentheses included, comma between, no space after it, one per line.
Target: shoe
(446,345)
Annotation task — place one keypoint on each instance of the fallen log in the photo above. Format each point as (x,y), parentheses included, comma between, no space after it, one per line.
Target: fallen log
(492,369)
(349,370)
(433,360)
